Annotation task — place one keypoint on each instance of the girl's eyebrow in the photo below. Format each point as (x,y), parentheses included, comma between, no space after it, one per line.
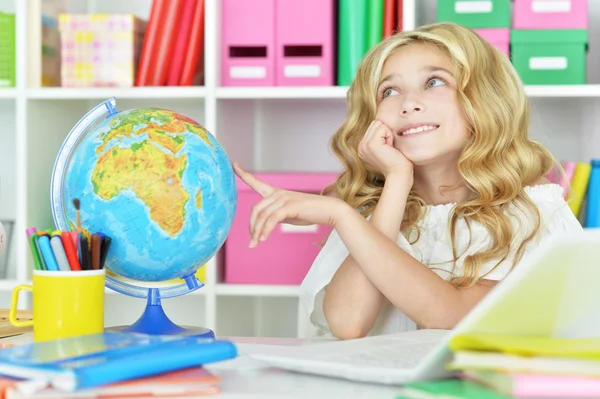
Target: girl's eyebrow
(389,77)
(435,68)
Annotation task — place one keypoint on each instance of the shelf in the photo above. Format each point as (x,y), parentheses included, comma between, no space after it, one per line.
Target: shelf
(8,93)
(339,92)
(282,92)
(257,290)
(8,285)
(62,93)
(589,90)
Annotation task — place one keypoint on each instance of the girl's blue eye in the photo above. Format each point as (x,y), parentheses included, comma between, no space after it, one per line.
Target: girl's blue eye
(387,92)
(433,80)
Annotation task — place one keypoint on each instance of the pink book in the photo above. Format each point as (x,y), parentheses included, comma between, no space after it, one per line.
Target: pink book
(552,176)
(523,385)
(569,167)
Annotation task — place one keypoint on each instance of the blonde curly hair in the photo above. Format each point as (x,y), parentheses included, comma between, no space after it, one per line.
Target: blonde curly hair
(497,163)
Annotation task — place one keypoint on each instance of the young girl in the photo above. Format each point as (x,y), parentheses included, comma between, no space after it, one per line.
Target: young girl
(442,191)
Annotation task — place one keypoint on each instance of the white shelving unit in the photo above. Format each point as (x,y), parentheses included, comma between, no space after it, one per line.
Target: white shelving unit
(265,128)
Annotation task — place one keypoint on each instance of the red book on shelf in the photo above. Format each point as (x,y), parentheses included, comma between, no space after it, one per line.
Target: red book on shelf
(389,18)
(181,42)
(194,63)
(169,26)
(148,53)
(399,16)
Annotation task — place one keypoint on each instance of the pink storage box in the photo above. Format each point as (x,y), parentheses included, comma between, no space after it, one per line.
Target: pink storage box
(248,43)
(288,253)
(499,37)
(304,42)
(550,14)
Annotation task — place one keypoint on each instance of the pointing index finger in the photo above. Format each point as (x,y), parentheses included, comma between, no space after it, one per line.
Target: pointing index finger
(257,185)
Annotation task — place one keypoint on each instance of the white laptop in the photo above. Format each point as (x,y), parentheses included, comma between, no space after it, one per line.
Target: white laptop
(555,292)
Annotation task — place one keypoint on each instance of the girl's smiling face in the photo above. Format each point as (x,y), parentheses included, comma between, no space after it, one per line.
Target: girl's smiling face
(417,99)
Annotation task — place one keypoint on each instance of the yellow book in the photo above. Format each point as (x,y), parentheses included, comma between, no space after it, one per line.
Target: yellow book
(579,184)
(588,348)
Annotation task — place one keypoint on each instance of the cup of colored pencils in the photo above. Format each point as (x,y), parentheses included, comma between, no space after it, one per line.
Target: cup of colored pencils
(68,250)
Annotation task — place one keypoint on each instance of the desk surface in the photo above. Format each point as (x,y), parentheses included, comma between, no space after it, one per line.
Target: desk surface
(247,378)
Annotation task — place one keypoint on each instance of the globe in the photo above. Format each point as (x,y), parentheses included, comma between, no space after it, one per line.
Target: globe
(161,187)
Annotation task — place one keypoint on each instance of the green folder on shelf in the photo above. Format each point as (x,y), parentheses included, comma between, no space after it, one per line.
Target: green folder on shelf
(374,23)
(352,34)
(7,50)
(360,27)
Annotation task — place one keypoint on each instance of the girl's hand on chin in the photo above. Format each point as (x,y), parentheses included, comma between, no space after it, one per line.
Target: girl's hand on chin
(284,206)
(377,150)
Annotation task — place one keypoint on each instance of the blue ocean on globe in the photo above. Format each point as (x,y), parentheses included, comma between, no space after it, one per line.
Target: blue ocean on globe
(159,185)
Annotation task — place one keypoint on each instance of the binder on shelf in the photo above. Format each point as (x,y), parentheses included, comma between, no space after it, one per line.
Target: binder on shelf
(304,43)
(399,16)
(193,62)
(352,38)
(7,50)
(149,50)
(565,181)
(593,199)
(182,38)
(375,23)
(579,186)
(248,41)
(389,18)
(170,22)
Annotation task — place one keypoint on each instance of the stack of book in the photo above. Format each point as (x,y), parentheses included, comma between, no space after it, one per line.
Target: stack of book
(517,366)
(112,365)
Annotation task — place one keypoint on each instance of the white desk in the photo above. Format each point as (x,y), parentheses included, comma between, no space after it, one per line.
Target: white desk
(246,378)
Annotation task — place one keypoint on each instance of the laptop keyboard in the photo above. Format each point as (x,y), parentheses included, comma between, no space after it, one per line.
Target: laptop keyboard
(400,355)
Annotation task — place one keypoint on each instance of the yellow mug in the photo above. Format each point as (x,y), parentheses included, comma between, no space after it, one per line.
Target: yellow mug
(65,304)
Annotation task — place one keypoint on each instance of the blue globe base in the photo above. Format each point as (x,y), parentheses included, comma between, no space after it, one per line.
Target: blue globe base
(154,321)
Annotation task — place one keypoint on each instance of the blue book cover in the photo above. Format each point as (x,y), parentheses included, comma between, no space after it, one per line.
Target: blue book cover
(93,360)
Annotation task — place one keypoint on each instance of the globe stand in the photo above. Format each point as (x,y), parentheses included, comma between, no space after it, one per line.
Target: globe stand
(154,320)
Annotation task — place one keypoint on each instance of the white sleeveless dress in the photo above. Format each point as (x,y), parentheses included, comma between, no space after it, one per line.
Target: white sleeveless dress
(434,250)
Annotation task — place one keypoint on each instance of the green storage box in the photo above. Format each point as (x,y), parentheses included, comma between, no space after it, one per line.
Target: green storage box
(550,57)
(475,13)
(7,50)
